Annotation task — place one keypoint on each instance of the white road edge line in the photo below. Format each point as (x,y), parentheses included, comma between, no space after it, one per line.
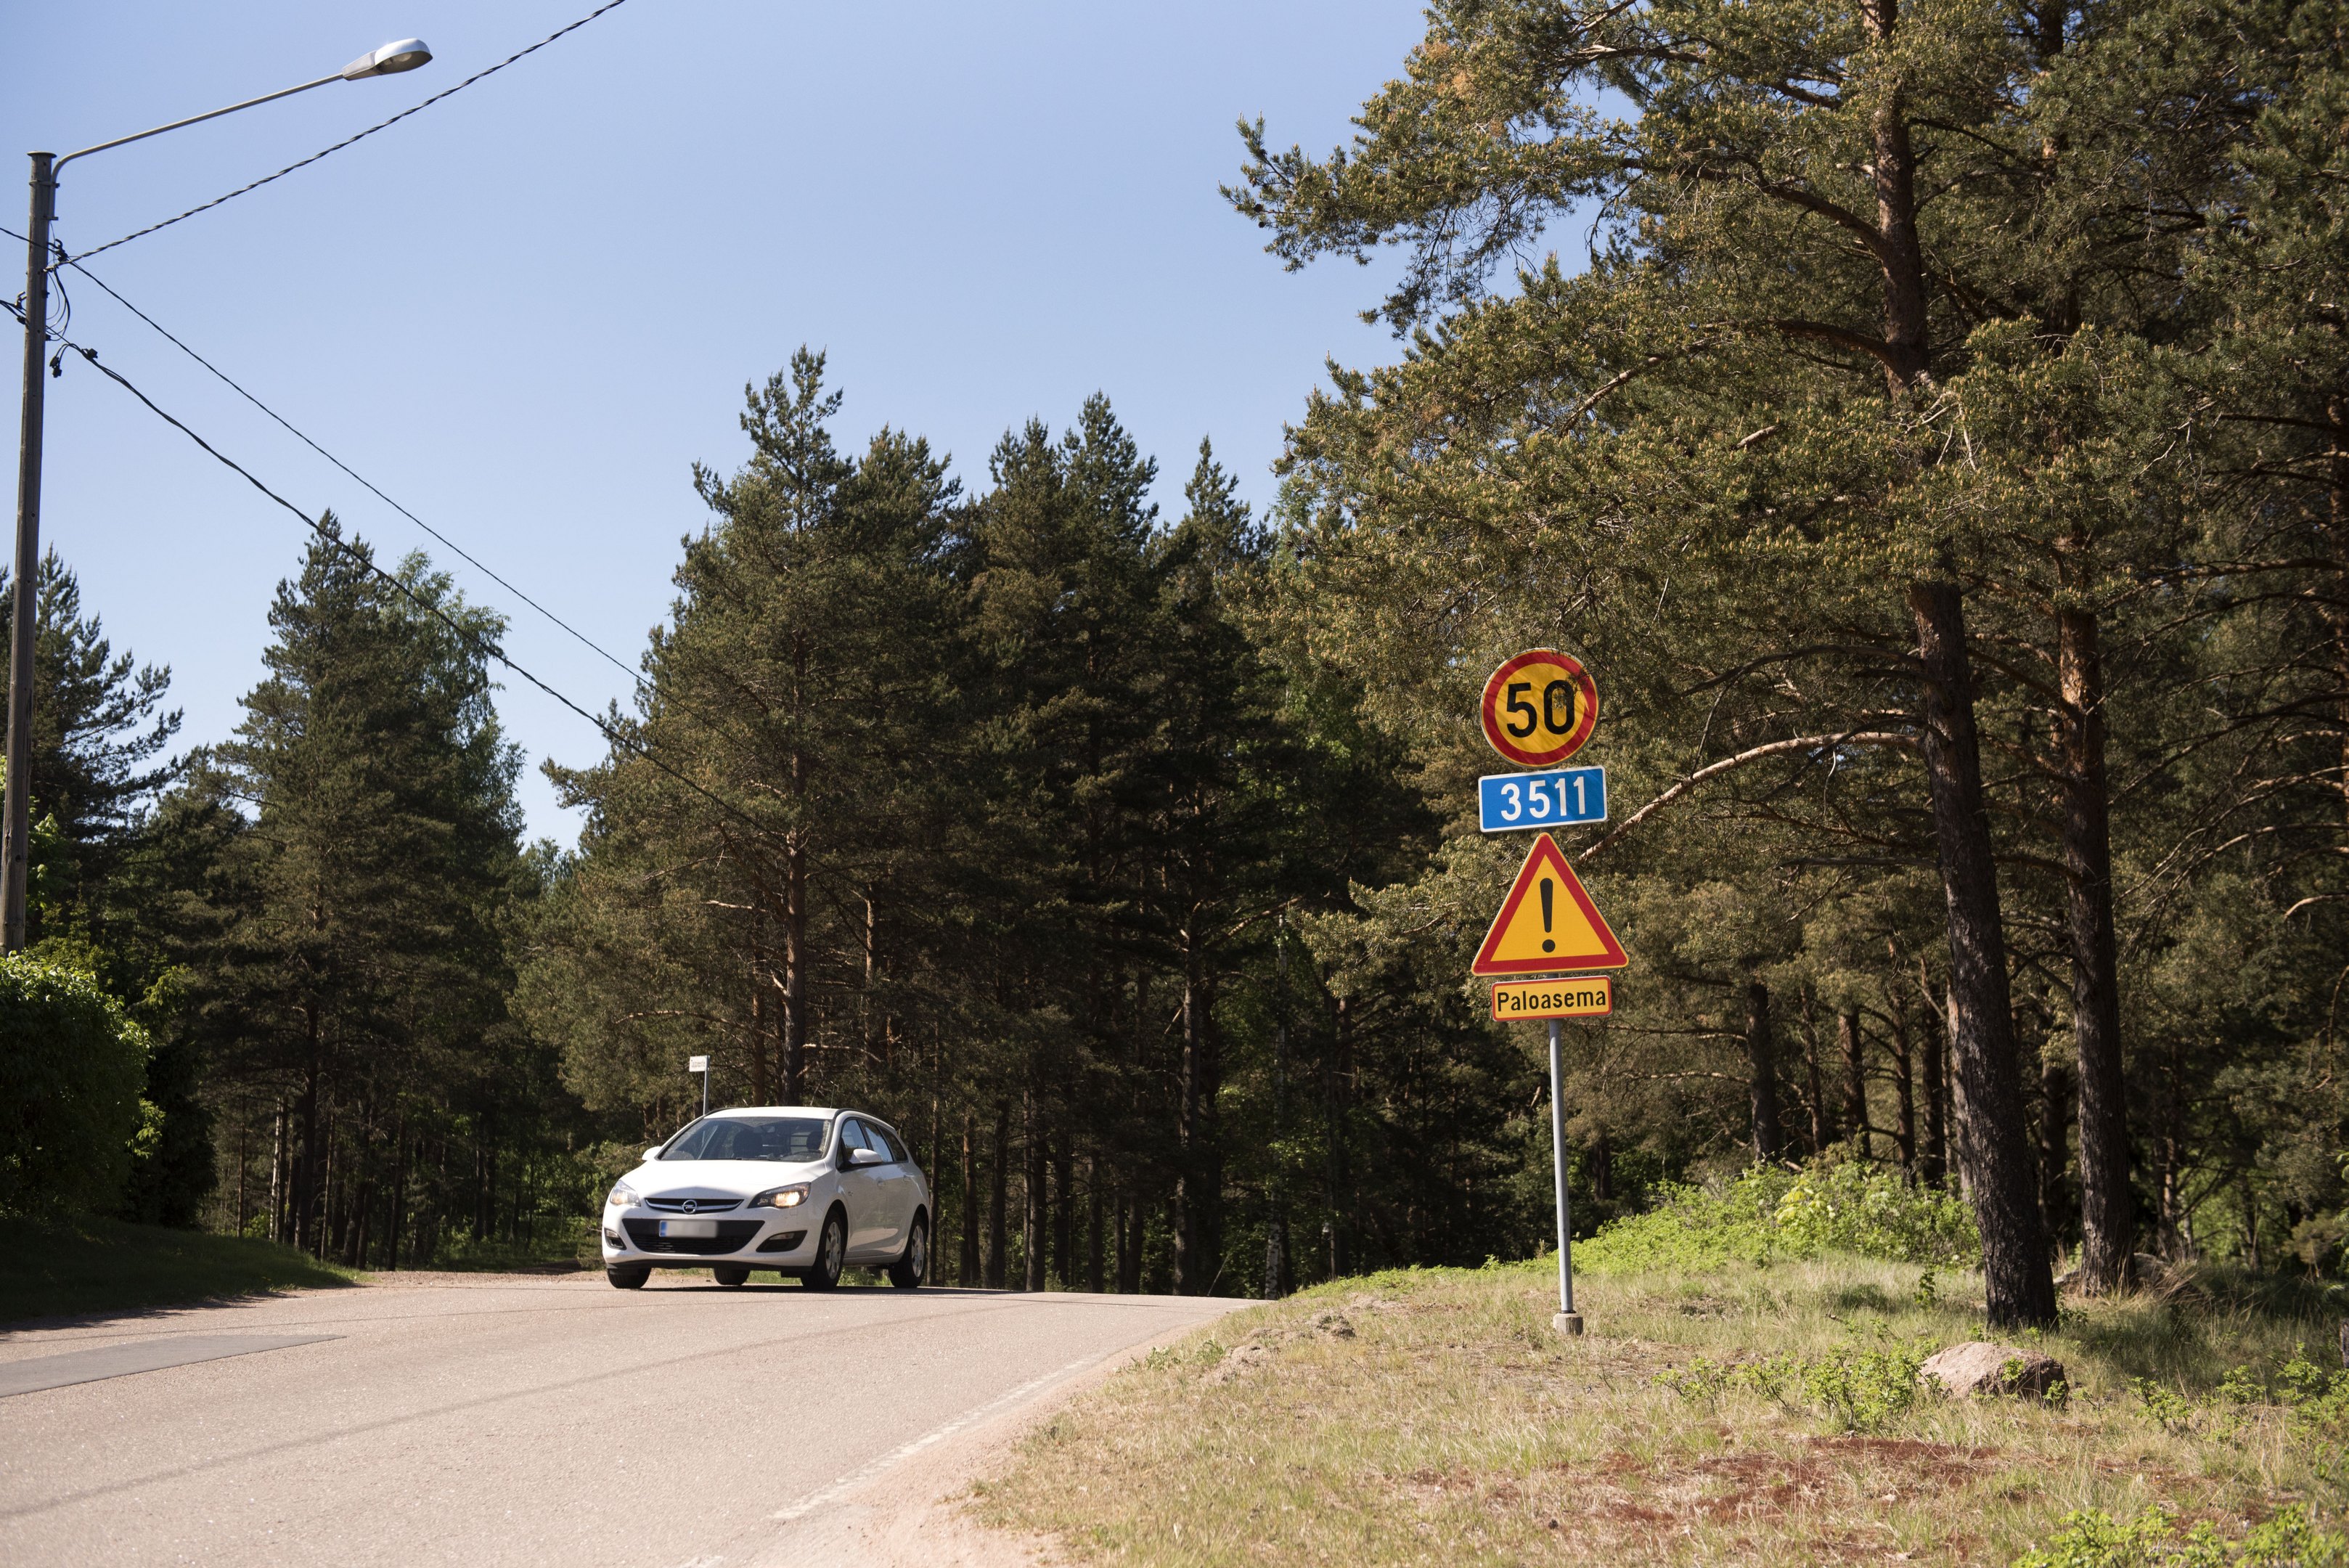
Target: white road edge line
(874,1468)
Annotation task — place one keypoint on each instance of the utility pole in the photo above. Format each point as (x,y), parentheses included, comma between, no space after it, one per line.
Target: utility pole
(16,816)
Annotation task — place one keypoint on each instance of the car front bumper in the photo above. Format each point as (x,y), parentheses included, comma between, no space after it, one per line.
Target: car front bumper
(762,1239)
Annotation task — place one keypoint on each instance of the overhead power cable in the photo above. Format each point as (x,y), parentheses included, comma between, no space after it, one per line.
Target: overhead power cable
(616,737)
(362,136)
(582,638)
(585,641)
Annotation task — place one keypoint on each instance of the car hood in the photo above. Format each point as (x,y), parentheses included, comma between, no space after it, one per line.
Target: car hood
(719,1178)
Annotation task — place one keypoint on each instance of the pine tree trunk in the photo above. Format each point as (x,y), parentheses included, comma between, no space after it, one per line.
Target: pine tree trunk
(280,1184)
(2107,1207)
(1904,1073)
(309,1158)
(2019,1289)
(795,958)
(1822,1127)
(1207,1202)
(1762,1073)
(1188,1197)
(1901,255)
(1093,1218)
(1933,1168)
(1064,1216)
(1032,1195)
(1276,1206)
(966,1264)
(398,1193)
(1855,1082)
(1335,1079)
(2336,609)
(759,1032)
(998,1239)
(1130,1239)
(2052,1210)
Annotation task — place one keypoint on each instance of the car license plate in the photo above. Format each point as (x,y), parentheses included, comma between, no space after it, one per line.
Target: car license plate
(691,1229)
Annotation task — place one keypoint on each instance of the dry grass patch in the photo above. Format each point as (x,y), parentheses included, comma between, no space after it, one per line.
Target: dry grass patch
(1764,1416)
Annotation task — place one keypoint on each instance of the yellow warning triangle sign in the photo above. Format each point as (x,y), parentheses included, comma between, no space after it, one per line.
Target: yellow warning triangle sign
(1548,922)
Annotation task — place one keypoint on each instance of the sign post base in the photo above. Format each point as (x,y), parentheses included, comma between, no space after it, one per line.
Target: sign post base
(1568,1323)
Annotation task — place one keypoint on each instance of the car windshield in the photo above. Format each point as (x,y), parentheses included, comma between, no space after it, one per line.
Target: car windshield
(789,1139)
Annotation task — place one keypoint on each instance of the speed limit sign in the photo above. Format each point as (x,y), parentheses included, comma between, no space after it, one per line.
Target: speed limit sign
(1539,708)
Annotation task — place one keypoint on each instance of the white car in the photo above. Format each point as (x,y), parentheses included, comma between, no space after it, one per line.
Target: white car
(799,1189)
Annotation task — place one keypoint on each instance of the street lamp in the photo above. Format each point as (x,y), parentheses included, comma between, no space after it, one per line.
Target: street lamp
(15,842)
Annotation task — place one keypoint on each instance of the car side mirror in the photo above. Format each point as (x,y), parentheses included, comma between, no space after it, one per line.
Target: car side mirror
(652,1154)
(867,1156)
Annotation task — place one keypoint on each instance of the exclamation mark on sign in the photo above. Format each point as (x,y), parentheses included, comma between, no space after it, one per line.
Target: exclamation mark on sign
(1548,946)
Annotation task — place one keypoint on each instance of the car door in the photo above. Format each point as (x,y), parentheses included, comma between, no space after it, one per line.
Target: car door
(861,1192)
(896,1185)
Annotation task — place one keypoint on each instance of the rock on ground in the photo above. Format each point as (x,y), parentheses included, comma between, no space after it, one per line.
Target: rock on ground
(1979,1366)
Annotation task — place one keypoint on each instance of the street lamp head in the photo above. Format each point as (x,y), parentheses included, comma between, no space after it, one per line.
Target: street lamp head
(389,60)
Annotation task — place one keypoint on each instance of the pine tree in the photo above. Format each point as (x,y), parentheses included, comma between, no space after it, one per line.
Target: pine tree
(751,877)
(100,734)
(346,948)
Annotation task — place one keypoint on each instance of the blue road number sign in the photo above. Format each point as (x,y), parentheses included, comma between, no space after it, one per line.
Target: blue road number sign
(1505,802)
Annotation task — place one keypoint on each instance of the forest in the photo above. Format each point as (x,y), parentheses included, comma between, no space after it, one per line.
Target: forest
(1930,425)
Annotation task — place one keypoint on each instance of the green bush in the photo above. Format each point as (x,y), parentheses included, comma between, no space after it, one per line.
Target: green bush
(1693,1229)
(2093,1539)
(1771,1211)
(1859,1389)
(72,1067)
(1845,1206)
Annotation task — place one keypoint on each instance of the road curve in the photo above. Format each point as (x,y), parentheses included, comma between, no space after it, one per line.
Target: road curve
(503,1419)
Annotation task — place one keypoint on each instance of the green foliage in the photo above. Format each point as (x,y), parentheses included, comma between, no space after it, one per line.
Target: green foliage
(1768,1211)
(72,1067)
(1690,1228)
(99,731)
(1707,451)
(171,1157)
(1845,1206)
(2172,1409)
(1100,850)
(2093,1539)
(1864,1389)
(342,882)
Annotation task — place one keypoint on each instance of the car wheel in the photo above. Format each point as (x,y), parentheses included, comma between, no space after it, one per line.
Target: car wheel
(731,1274)
(831,1254)
(627,1276)
(914,1266)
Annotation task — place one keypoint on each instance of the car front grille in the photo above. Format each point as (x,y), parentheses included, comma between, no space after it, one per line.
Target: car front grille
(700,1205)
(733,1236)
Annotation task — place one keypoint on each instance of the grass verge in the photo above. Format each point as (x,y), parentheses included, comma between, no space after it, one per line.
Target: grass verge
(57,1267)
(1764,1414)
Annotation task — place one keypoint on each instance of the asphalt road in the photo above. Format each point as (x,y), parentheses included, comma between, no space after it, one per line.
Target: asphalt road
(497,1419)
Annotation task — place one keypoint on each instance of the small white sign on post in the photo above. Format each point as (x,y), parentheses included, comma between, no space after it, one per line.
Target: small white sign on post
(700,1064)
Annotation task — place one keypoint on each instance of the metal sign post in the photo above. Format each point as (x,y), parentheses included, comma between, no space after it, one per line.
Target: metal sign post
(700,1064)
(1567,1320)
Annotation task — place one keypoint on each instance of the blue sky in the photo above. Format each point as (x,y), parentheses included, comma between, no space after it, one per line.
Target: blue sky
(527,311)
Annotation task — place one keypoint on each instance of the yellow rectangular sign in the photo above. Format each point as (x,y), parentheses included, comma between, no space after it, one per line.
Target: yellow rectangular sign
(1589,996)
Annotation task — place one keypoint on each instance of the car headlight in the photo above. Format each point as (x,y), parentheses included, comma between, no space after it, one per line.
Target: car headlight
(782,1196)
(622,1195)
